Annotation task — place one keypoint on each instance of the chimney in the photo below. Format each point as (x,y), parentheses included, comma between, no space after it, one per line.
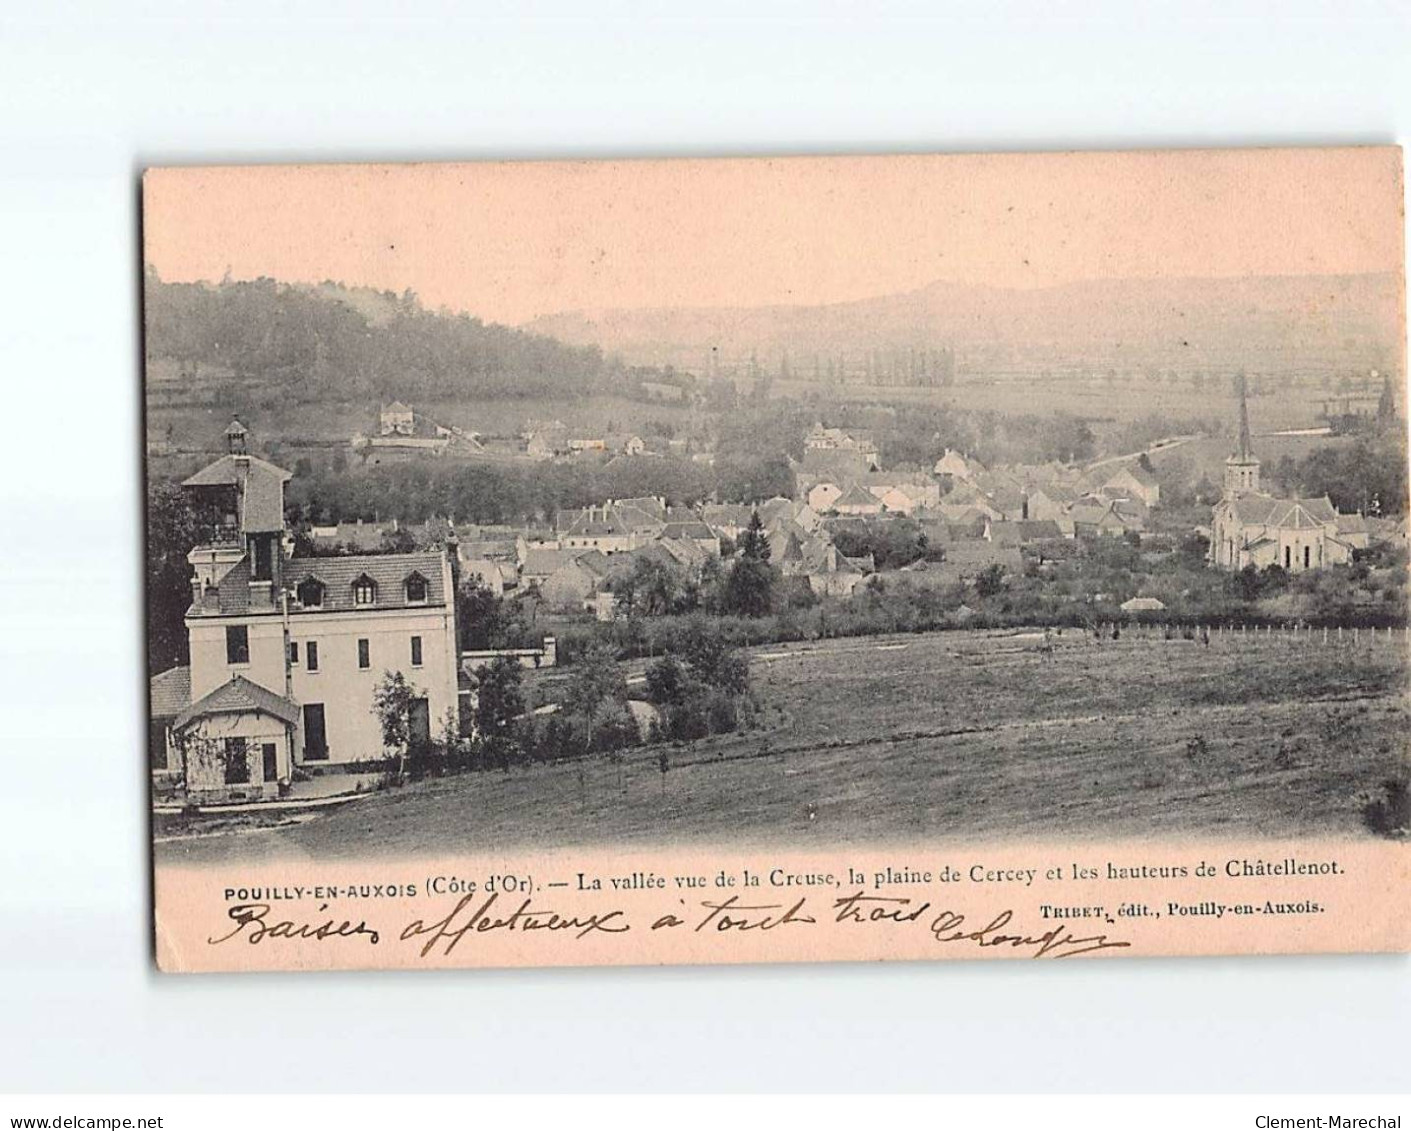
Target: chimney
(453,548)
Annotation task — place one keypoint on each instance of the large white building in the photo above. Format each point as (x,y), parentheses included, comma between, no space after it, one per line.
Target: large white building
(286,651)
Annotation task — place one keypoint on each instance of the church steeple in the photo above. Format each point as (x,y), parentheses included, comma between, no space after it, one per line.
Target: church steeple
(1242,468)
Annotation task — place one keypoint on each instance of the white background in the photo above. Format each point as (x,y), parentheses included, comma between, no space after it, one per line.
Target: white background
(91,93)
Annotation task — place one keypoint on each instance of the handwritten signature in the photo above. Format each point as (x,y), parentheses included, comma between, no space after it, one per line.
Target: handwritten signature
(468,917)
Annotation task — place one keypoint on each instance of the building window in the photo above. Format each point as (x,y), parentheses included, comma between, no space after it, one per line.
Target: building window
(364,654)
(364,591)
(311,655)
(264,558)
(310,593)
(237,762)
(315,737)
(293,651)
(1307,555)
(416,651)
(416,589)
(237,644)
(1288,557)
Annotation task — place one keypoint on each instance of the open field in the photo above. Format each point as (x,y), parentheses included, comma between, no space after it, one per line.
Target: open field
(1207,454)
(982,736)
(1092,399)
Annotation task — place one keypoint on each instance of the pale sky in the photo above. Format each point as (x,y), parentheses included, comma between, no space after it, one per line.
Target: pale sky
(510,241)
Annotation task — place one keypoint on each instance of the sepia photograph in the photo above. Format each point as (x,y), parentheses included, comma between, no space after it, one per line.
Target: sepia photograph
(808,501)
(629,532)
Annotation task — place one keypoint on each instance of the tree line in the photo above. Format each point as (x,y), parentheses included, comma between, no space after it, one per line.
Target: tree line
(332,342)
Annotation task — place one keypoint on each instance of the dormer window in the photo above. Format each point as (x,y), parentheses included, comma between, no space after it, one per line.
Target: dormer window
(310,593)
(416,589)
(364,591)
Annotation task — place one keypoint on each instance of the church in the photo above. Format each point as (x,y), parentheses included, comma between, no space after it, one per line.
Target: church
(1254,528)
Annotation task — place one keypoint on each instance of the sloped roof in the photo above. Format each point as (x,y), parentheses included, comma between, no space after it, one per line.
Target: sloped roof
(785,546)
(684,551)
(389,573)
(1319,510)
(595,562)
(260,485)
(238,697)
(856,496)
(364,535)
(1142,604)
(1103,476)
(653,508)
(1088,514)
(693,529)
(776,507)
(1255,509)
(233,589)
(1057,492)
(726,514)
(171,692)
(492,548)
(1265,510)
(489,571)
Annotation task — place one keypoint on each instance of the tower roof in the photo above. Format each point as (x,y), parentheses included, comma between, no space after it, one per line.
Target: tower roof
(1245,452)
(261,487)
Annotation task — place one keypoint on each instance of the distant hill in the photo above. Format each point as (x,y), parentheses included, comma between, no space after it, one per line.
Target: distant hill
(1297,324)
(298,343)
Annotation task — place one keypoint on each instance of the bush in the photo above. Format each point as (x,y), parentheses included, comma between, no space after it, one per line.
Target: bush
(1390,814)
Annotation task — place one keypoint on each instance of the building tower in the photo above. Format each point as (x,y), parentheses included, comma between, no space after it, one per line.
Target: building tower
(1242,468)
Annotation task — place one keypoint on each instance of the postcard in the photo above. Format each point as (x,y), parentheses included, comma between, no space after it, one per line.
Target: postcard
(777,560)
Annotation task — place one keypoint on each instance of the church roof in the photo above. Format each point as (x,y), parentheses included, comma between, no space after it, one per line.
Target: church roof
(1285,514)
